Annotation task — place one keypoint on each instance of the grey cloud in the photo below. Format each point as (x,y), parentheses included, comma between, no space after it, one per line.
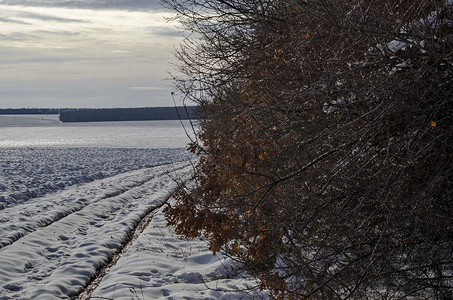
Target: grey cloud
(57,33)
(13,21)
(12,56)
(36,35)
(42,60)
(16,36)
(139,5)
(166,32)
(43,17)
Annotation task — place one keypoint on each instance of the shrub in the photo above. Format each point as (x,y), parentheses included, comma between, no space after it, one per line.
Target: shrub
(325,153)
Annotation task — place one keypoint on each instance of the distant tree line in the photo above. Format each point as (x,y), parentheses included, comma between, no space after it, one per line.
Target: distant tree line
(129,114)
(31,111)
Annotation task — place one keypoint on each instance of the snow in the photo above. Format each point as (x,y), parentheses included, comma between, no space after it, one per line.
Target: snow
(27,173)
(47,131)
(57,242)
(67,208)
(333,106)
(161,265)
(424,28)
(395,46)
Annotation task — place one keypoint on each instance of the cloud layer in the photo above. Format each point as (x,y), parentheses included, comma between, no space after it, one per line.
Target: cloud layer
(107,53)
(138,5)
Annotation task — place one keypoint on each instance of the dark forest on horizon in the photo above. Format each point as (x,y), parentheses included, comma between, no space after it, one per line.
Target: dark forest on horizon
(32,111)
(110,114)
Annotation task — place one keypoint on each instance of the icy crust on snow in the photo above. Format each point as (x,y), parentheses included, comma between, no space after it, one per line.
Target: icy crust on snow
(162,265)
(23,132)
(27,173)
(62,238)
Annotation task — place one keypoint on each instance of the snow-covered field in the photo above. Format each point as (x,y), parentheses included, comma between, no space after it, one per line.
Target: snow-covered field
(73,195)
(48,131)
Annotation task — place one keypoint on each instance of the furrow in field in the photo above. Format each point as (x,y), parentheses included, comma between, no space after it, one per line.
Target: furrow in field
(58,260)
(19,221)
(101,272)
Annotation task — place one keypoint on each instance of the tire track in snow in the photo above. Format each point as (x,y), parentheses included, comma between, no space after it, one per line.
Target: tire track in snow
(26,218)
(58,260)
(144,222)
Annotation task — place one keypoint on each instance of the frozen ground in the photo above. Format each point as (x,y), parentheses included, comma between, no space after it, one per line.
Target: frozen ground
(27,173)
(51,246)
(161,265)
(47,131)
(67,210)
(39,154)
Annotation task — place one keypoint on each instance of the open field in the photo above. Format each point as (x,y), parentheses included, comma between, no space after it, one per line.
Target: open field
(71,204)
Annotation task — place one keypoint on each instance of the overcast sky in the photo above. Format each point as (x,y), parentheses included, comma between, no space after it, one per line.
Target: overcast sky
(85,53)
